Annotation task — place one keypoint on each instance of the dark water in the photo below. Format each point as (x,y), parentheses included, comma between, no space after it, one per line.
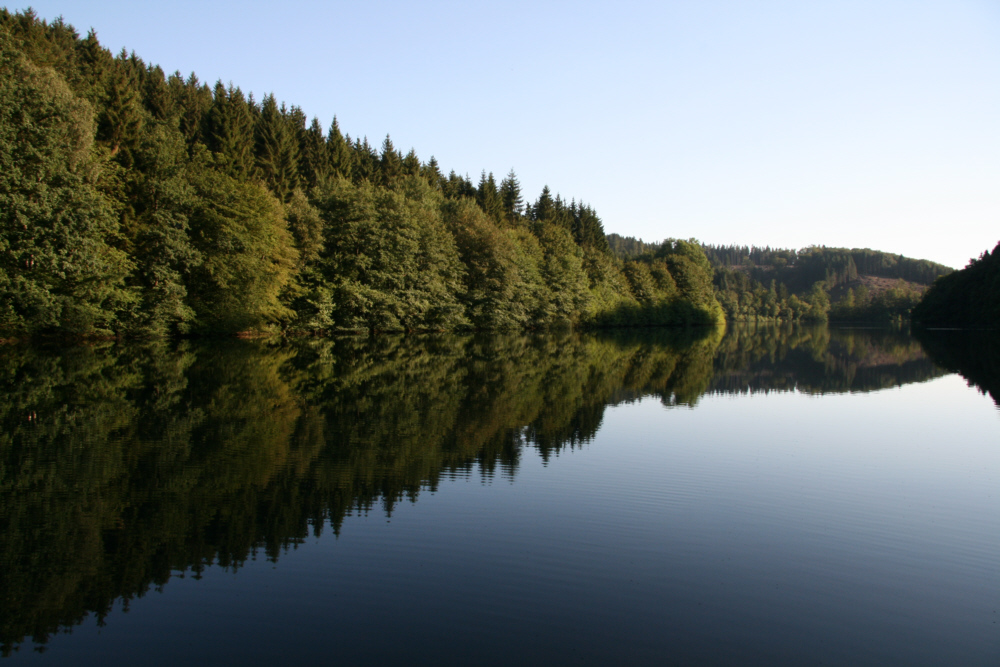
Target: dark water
(795,496)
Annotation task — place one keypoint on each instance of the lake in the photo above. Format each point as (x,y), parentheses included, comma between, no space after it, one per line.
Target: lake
(763,495)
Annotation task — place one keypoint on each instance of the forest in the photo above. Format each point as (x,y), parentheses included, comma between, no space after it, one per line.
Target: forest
(966,298)
(139,204)
(812,284)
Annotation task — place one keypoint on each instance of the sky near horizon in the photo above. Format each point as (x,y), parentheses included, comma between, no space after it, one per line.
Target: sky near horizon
(870,123)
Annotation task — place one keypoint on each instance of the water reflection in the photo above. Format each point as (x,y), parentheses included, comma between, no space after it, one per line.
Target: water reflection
(973,354)
(818,360)
(121,466)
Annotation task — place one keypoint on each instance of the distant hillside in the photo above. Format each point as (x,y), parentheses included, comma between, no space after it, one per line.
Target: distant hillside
(836,266)
(764,283)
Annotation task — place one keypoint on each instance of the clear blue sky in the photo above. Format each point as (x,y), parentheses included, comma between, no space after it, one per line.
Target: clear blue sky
(846,123)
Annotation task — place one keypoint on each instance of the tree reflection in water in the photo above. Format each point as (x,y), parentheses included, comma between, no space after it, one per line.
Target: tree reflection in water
(125,465)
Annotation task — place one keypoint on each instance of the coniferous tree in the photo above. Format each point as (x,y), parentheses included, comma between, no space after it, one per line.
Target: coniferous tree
(156,95)
(488,197)
(94,66)
(365,160)
(510,197)
(338,151)
(544,208)
(121,120)
(411,164)
(390,165)
(193,99)
(315,156)
(189,241)
(432,173)
(230,131)
(277,150)
(162,249)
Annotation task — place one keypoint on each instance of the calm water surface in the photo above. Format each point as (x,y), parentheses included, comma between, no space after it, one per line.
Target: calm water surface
(797,496)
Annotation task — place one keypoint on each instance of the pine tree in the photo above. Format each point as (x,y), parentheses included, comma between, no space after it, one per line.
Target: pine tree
(411,163)
(365,161)
(193,100)
(121,119)
(156,94)
(390,165)
(230,131)
(338,151)
(277,150)
(510,197)
(544,208)
(488,197)
(315,157)
(432,173)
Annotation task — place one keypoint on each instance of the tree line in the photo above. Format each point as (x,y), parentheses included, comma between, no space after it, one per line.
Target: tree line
(135,203)
(967,298)
(772,283)
(817,283)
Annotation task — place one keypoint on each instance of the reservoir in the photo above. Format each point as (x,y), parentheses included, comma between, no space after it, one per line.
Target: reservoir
(759,495)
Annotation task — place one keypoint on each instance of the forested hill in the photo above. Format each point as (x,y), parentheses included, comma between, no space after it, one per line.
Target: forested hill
(849,284)
(133,203)
(836,265)
(966,298)
(815,283)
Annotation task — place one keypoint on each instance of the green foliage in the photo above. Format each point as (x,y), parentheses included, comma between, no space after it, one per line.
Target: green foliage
(628,247)
(495,291)
(776,284)
(277,148)
(247,255)
(163,252)
(145,205)
(819,304)
(230,131)
(671,287)
(388,256)
(563,274)
(889,306)
(58,268)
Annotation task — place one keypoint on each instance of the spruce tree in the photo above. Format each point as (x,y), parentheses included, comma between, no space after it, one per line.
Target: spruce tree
(277,149)
(488,197)
(315,157)
(122,116)
(544,208)
(338,151)
(510,197)
(390,165)
(230,131)
(432,173)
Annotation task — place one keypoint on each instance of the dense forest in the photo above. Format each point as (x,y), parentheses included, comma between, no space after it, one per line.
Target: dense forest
(135,203)
(813,284)
(124,465)
(966,298)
